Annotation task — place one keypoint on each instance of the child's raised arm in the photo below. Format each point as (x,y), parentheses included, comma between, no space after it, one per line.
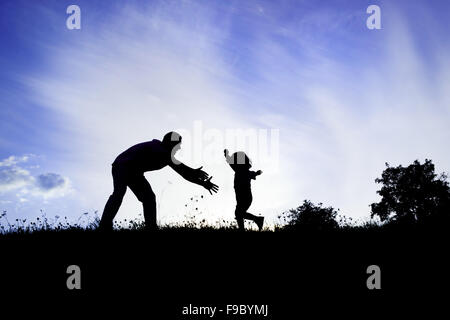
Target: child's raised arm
(229,159)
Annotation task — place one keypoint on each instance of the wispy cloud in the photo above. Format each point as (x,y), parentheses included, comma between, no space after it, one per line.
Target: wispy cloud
(345,99)
(125,87)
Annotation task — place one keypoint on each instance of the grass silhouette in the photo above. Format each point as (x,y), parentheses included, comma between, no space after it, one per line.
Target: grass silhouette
(199,260)
(88,223)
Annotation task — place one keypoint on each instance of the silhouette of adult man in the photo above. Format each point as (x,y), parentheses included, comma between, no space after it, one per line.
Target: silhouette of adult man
(128,171)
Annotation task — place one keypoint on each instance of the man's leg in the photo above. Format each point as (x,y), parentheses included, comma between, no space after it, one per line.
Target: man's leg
(143,191)
(114,201)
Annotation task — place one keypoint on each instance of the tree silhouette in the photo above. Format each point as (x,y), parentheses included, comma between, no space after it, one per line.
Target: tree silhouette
(309,216)
(412,194)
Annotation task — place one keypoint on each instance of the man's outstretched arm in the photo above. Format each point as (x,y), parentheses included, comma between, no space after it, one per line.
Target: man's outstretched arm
(188,173)
(197,176)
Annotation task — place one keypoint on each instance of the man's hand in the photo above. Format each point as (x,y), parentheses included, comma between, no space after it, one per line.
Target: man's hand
(226,153)
(258,172)
(200,174)
(208,185)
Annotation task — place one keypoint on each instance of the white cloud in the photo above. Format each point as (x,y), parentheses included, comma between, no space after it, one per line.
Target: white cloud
(13,160)
(15,178)
(12,178)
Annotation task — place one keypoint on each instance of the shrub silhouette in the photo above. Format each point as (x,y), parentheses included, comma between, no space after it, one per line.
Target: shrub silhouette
(309,216)
(412,194)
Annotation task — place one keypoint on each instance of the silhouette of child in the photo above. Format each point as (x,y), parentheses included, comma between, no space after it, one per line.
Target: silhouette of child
(241,165)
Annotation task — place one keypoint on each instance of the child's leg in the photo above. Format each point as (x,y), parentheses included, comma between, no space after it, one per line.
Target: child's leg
(242,205)
(239,214)
(257,219)
(245,203)
(249,216)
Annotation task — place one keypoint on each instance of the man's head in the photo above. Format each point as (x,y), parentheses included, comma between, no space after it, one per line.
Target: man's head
(172,141)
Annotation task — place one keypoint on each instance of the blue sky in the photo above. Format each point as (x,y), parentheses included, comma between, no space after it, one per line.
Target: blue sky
(344,99)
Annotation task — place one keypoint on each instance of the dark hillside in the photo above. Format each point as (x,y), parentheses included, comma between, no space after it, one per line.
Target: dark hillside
(168,269)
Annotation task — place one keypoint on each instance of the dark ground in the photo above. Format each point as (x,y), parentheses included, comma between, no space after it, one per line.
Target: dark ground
(157,274)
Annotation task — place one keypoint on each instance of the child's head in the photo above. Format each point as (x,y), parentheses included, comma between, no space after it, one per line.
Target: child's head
(242,159)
